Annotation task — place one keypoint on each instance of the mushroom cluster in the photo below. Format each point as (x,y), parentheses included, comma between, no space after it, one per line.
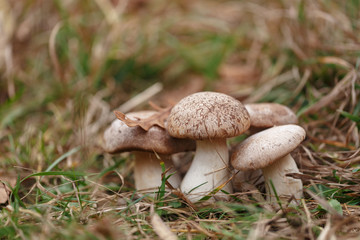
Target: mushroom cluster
(202,122)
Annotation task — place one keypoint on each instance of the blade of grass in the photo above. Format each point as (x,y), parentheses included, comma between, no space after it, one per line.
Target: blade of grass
(276,195)
(62,157)
(70,174)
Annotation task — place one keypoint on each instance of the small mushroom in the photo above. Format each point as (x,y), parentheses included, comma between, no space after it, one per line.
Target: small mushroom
(266,115)
(144,144)
(209,118)
(262,116)
(269,150)
(252,177)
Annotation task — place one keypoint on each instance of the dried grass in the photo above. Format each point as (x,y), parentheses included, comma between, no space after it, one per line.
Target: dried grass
(60,64)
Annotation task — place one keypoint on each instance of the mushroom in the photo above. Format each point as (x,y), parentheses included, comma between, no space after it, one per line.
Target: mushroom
(269,150)
(209,118)
(266,115)
(147,147)
(252,177)
(262,116)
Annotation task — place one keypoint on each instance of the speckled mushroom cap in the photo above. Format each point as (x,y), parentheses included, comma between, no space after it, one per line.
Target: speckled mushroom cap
(264,115)
(265,147)
(206,115)
(121,138)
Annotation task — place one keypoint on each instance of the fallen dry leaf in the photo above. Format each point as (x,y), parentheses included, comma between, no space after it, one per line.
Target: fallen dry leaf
(157,119)
(4,193)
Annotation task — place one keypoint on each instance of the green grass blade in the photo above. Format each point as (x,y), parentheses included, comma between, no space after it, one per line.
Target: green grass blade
(62,157)
(58,173)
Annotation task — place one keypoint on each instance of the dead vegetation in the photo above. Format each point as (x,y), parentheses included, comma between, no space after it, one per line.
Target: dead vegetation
(66,65)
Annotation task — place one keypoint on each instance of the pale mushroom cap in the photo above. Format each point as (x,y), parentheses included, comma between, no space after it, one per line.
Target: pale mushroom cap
(207,115)
(264,115)
(121,138)
(265,147)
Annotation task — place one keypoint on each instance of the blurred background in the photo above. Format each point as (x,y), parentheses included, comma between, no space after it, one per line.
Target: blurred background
(61,59)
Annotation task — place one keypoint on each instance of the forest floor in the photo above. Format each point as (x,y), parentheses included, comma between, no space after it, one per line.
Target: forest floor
(66,65)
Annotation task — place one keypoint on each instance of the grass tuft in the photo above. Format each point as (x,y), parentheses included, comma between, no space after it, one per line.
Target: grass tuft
(65,65)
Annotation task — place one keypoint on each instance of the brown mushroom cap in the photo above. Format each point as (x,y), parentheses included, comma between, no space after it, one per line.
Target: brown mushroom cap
(121,138)
(264,148)
(265,115)
(207,115)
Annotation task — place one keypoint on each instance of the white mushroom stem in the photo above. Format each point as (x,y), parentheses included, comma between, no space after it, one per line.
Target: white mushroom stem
(208,170)
(147,171)
(284,186)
